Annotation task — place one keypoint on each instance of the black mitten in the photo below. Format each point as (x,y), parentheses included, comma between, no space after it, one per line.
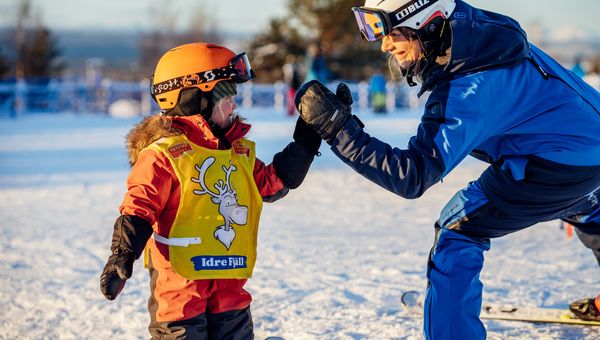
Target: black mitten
(307,137)
(293,162)
(128,242)
(343,93)
(324,111)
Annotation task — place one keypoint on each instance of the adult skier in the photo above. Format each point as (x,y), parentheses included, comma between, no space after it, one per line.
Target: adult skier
(194,197)
(494,96)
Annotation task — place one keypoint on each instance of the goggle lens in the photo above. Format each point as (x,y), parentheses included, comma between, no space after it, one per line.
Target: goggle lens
(241,66)
(370,24)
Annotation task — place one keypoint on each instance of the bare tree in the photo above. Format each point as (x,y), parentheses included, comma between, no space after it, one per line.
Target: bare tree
(165,33)
(202,26)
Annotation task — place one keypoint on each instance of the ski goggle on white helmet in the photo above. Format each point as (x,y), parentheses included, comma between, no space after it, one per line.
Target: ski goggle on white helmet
(377,18)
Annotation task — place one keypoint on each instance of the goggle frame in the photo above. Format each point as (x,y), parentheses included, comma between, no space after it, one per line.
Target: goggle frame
(231,71)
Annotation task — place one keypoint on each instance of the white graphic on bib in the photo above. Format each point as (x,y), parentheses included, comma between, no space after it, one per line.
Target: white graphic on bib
(226,198)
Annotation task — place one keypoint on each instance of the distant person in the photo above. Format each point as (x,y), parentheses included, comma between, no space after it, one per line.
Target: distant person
(578,68)
(377,92)
(316,65)
(494,96)
(292,76)
(194,197)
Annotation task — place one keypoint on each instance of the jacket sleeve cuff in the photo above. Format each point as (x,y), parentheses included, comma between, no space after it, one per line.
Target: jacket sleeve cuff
(347,133)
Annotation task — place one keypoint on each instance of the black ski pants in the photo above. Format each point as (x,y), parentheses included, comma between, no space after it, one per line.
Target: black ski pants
(233,325)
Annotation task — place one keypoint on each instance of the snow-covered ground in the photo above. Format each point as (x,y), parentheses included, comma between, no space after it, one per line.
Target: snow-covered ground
(334,255)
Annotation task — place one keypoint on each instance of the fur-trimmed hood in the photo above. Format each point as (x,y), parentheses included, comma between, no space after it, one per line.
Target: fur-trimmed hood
(146,132)
(153,128)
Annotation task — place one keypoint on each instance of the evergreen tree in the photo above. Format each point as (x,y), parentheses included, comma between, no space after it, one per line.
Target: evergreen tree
(4,67)
(332,26)
(268,51)
(38,55)
(329,24)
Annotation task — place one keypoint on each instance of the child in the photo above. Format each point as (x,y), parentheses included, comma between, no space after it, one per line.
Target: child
(194,197)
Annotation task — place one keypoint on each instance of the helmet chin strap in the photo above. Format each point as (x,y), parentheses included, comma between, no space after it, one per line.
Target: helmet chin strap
(434,40)
(408,73)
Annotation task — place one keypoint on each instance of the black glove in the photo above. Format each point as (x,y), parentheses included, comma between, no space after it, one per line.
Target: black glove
(128,242)
(324,111)
(293,162)
(307,137)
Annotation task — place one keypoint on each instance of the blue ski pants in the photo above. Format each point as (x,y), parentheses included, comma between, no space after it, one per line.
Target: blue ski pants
(463,232)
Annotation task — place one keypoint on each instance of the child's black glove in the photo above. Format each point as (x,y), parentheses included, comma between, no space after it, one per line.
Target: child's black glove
(128,242)
(324,111)
(307,137)
(292,163)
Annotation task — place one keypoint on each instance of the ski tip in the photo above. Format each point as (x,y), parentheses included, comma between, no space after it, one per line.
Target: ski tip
(413,302)
(411,298)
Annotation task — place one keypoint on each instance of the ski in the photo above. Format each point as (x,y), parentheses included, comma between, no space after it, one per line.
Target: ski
(413,301)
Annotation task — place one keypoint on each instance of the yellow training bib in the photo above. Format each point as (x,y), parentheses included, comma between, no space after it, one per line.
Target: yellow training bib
(214,234)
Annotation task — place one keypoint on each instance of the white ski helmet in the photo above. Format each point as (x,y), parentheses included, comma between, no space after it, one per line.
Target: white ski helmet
(377,18)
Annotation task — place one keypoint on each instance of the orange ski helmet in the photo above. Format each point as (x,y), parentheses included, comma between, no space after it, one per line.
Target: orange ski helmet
(199,65)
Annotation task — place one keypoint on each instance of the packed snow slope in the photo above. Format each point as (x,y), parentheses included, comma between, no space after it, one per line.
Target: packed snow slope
(334,255)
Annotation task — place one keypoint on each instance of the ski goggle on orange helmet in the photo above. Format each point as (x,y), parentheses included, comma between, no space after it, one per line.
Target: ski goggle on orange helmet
(196,65)
(378,18)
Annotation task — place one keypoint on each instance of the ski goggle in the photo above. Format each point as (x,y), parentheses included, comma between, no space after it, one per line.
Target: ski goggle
(375,24)
(238,70)
(372,23)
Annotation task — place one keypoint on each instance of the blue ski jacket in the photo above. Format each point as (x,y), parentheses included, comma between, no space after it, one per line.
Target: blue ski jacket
(499,99)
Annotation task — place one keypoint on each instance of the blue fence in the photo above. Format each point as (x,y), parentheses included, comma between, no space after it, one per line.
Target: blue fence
(103,97)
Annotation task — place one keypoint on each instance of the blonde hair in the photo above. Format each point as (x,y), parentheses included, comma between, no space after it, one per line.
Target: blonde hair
(399,74)
(417,68)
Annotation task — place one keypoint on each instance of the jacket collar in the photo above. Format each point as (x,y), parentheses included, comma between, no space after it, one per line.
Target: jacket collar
(198,131)
(481,40)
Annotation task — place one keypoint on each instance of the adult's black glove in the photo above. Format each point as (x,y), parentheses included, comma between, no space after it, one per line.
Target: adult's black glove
(324,111)
(128,242)
(307,137)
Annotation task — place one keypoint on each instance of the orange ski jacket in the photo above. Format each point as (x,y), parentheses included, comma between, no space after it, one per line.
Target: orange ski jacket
(154,193)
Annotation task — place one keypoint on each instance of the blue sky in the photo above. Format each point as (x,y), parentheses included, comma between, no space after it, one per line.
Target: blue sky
(252,15)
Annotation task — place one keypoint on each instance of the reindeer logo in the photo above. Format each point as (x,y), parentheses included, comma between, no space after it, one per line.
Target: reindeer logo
(227,200)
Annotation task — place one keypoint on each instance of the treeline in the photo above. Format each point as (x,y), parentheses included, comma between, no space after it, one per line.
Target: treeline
(326,25)
(31,50)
